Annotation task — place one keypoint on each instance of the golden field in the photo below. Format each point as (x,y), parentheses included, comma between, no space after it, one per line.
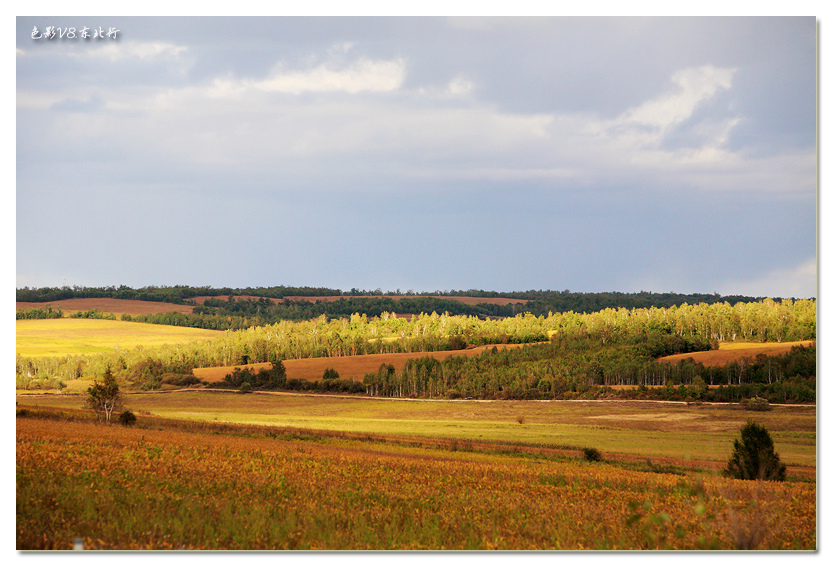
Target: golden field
(69,336)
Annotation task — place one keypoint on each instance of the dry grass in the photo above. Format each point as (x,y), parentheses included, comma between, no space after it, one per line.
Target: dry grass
(213,487)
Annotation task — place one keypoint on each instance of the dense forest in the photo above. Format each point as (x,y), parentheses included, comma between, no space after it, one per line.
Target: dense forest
(269,305)
(568,354)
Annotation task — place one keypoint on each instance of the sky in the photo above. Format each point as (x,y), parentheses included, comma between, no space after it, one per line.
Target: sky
(590,154)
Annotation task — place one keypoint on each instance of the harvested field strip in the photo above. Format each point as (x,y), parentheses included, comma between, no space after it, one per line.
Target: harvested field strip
(349,367)
(67,336)
(109,305)
(729,352)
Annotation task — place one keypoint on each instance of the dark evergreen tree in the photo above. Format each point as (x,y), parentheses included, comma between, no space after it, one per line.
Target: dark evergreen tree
(754,456)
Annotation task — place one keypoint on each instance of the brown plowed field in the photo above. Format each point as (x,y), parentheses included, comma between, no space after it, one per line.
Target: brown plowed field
(349,367)
(109,305)
(729,352)
(463,299)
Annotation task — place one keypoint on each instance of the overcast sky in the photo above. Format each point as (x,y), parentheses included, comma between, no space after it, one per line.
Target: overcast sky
(598,154)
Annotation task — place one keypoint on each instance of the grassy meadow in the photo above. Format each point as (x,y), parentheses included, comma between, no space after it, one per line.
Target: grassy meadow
(169,484)
(71,336)
(685,434)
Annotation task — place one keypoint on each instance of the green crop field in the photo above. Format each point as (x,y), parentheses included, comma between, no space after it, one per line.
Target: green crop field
(69,336)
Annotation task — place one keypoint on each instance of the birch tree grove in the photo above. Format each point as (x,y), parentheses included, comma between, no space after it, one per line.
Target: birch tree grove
(698,326)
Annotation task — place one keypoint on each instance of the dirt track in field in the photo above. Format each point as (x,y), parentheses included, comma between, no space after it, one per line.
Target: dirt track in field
(349,367)
(729,352)
(109,305)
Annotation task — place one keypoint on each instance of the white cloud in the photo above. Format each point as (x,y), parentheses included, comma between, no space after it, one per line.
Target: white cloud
(694,86)
(800,281)
(145,50)
(460,86)
(457,87)
(363,75)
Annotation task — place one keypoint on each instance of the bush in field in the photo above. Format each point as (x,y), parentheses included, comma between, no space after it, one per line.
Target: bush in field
(754,456)
(755,404)
(340,385)
(591,454)
(330,374)
(180,379)
(127,418)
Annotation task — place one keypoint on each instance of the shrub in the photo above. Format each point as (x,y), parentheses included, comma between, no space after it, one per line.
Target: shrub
(296,384)
(268,378)
(591,454)
(755,404)
(127,418)
(244,388)
(330,374)
(456,342)
(179,379)
(754,456)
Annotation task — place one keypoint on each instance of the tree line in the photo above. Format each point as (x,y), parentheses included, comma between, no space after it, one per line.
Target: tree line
(620,343)
(263,310)
(583,367)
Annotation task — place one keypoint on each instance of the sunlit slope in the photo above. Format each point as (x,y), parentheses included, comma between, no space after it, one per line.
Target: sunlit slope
(730,352)
(60,337)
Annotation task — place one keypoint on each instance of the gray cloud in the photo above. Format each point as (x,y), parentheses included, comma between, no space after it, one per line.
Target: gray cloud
(424,153)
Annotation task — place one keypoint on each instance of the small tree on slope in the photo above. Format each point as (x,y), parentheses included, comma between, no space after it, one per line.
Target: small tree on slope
(104,397)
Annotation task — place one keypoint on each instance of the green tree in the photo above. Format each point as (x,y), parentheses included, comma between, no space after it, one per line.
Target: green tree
(698,387)
(754,456)
(104,397)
